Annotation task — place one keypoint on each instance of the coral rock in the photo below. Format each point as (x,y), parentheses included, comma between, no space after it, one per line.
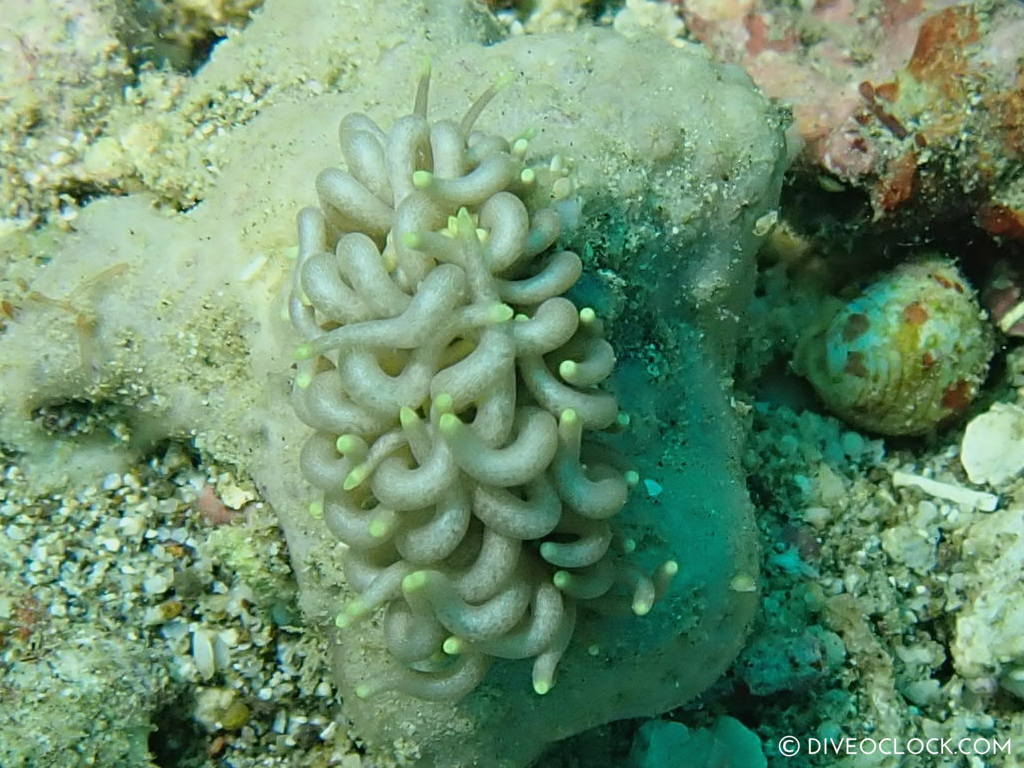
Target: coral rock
(992,450)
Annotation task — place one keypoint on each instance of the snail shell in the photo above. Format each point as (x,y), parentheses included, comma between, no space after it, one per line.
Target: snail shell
(906,355)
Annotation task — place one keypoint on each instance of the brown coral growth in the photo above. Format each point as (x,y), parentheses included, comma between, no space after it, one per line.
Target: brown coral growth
(939,56)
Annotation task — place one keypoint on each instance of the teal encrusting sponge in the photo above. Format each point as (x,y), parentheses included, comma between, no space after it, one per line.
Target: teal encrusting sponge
(667,744)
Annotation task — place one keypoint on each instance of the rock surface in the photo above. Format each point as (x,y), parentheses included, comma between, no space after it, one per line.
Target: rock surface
(992,450)
(172,321)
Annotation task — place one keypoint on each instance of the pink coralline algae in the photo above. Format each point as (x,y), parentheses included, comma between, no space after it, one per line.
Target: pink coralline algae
(920,105)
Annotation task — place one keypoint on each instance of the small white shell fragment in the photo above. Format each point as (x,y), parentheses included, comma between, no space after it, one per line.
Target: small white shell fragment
(743,582)
(233,496)
(923,692)
(154,615)
(224,641)
(211,704)
(817,517)
(174,630)
(133,525)
(766,223)
(158,582)
(280,721)
(992,450)
(986,502)
(202,652)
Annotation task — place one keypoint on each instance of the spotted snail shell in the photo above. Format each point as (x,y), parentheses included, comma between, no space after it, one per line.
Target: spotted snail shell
(906,355)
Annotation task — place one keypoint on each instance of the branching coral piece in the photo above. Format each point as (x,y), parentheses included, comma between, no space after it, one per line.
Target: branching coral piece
(454,392)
